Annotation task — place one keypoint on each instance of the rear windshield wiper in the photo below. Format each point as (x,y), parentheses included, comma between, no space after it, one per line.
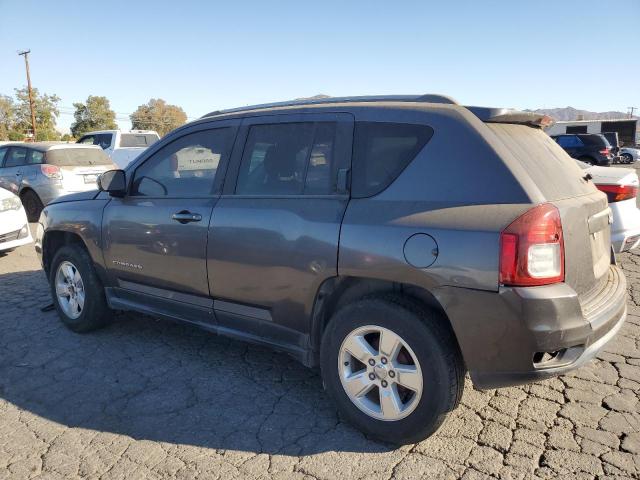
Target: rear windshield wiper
(587,177)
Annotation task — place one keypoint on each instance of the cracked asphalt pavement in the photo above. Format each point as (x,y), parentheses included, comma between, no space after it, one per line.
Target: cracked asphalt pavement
(151,399)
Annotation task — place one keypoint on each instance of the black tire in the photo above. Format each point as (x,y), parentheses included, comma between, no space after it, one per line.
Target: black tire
(32,205)
(435,347)
(627,158)
(95,312)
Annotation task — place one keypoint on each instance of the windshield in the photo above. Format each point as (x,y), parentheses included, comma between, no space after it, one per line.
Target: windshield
(77,157)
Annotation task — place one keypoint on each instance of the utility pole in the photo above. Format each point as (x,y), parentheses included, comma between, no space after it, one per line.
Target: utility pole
(631,110)
(25,54)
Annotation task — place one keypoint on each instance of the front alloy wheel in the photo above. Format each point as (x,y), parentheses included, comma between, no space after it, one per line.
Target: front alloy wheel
(70,289)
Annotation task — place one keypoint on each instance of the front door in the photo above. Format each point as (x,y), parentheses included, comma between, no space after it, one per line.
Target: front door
(275,231)
(155,238)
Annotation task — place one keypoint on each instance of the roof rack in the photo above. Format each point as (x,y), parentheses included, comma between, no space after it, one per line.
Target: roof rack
(427,98)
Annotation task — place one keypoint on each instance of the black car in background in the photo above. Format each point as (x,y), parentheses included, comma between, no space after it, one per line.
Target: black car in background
(591,148)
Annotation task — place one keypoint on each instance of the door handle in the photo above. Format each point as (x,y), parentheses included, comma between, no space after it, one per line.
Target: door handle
(186,216)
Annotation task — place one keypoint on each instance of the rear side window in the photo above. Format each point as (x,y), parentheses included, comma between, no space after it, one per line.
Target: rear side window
(77,157)
(3,151)
(289,159)
(382,151)
(35,157)
(595,140)
(137,140)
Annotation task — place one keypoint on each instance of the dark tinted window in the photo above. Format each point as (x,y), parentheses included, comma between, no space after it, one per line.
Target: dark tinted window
(569,141)
(17,156)
(382,151)
(137,139)
(595,140)
(103,140)
(289,159)
(77,157)
(576,129)
(184,168)
(35,157)
(87,140)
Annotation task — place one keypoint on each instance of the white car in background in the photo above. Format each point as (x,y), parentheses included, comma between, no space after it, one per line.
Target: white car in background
(14,229)
(121,147)
(630,154)
(621,187)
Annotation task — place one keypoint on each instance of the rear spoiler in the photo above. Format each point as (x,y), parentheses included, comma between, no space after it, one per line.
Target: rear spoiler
(508,115)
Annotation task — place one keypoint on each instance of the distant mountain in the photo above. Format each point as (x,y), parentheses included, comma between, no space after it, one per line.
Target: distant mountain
(570,113)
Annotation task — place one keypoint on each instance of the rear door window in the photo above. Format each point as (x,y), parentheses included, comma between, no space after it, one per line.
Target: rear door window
(382,151)
(3,152)
(35,157)
(17,156)
(289,159)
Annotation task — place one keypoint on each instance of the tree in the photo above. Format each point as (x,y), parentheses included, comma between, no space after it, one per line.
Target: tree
(46,110)
(159,116)
(95,114)
(7,116)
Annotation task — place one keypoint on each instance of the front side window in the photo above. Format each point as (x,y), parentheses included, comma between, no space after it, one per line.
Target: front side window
(289,159)
(382,151)
(17,156)
(186,167)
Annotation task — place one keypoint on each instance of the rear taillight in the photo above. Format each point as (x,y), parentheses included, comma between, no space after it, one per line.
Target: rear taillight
(605,151)
(50,171)
(532,248)
(617,193)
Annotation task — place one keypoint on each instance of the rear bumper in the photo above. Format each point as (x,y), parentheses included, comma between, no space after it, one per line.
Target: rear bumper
(503,335)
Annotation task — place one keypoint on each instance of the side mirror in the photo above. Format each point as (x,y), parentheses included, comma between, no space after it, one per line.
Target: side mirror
(114,182)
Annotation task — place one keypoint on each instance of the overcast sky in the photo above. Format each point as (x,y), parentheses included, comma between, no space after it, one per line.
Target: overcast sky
(209,55)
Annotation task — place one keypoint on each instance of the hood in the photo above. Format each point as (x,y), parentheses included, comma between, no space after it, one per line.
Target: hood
(75,197)
(6,194)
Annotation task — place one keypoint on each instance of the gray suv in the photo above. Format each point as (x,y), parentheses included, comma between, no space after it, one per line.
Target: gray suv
(394,242)
(41,172)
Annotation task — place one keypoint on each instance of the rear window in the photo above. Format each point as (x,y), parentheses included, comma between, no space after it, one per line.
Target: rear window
(554,172)
(382,151)
(77,157)
(137,139)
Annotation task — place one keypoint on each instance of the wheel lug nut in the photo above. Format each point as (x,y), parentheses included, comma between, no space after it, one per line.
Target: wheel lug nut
(392,373)
(383,360)
(372,376)
(384,383)
(372,362)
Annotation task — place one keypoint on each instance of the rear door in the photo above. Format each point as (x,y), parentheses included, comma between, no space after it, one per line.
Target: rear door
(12,170)
(155,238)
(275,231)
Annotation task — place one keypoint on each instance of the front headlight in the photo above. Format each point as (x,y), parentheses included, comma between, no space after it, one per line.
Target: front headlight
(12,203)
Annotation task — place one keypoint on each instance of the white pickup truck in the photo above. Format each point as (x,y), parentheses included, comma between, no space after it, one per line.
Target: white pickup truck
(121,146)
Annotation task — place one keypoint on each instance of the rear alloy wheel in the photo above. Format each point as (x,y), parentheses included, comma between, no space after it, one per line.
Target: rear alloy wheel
(392,366)
(627,158)
(384,382)
(32,205)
